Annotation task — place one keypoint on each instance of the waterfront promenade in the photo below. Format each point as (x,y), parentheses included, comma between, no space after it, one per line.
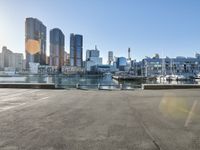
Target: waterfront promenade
(36,119)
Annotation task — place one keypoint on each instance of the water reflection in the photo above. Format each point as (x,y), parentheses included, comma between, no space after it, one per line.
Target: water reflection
(89,81)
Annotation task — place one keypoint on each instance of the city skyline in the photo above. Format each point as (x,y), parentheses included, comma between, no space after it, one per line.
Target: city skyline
(170,28)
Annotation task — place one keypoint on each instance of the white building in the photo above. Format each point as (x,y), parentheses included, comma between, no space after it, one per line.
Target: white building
(18,61)
(92,59)
(66,59)
(1,62)
(188,66)
(72,70)
(33,67)
(8,59)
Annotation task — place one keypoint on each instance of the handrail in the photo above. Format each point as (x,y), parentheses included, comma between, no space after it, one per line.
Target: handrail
(102,86)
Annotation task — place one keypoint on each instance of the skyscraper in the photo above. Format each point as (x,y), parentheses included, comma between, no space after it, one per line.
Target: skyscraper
(110,57)
(57,44)
(76,50)
(35,41)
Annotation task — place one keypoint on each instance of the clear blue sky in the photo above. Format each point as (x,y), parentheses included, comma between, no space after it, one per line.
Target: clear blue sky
(171,27)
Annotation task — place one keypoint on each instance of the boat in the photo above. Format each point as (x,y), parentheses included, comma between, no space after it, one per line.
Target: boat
(180,77)
(175,77)
(129,77)
(161,78)
(198,76)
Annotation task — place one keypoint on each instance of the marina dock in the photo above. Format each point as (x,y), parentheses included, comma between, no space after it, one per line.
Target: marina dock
(36,119)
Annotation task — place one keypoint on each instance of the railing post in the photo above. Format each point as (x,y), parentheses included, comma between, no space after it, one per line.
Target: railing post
(77,86)
(121,87)
(98,86)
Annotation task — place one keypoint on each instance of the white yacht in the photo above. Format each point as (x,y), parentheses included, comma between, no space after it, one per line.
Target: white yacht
(198,76)
(175,77)
(161,78)
(180,77)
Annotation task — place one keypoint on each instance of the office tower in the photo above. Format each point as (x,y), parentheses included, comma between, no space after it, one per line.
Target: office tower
(57,44)
(92,53)
(110,57)
(197,55)
(92,58)
(121,63)
(76,50)
(35,41)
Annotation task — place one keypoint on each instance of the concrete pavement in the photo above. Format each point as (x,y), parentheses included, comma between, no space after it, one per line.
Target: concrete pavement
(34,119)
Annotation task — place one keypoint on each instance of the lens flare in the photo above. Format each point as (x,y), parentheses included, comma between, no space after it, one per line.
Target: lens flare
(32,46)
(174,106)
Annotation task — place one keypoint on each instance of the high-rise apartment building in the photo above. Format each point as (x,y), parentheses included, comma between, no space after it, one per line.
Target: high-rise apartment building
(35,41)
(18,61)
(7,57)
(57,44)
(76,50)
(11,60)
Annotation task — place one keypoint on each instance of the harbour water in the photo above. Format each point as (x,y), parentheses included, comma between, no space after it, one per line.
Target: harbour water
(84,81)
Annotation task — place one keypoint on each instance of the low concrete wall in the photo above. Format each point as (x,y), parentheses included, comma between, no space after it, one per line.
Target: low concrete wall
(169,86)
(28,85)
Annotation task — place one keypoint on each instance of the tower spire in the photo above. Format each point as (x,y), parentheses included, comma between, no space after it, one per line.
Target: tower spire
(129,53)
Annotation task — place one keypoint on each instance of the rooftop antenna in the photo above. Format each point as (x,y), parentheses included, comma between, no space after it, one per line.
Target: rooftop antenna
(95,47)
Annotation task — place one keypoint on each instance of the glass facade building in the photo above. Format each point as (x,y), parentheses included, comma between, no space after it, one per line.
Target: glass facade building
(57,44)
(121,63)
(92,53)
(76,50)
(35,41)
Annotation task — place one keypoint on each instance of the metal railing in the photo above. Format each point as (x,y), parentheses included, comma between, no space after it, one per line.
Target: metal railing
(99,86)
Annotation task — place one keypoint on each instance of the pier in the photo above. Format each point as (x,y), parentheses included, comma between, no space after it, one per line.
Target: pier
(169,86)
(38,119)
